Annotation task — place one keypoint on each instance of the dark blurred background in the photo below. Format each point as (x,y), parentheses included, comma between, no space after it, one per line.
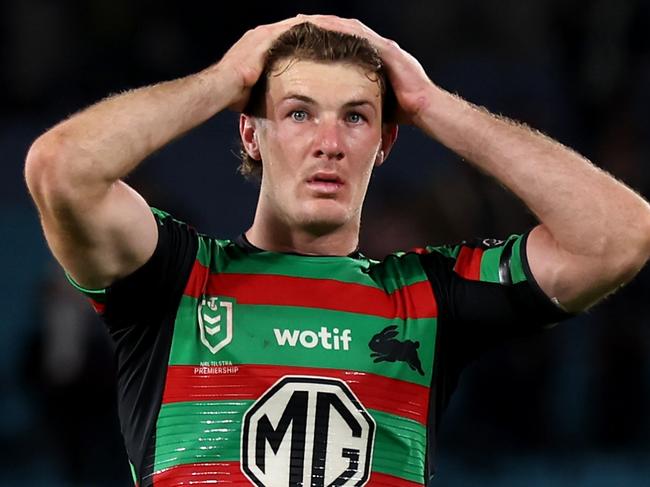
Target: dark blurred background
(567,408)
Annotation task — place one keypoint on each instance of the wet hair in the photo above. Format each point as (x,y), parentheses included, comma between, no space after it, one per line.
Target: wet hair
(308,42)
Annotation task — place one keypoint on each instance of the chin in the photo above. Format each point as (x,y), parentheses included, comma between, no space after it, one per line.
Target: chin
(325,217)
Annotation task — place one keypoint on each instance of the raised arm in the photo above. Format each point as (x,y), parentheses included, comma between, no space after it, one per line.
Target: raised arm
(594,233)
(97,227)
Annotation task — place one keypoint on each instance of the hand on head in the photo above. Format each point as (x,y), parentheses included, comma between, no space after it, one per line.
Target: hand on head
(407,76)
(246,59)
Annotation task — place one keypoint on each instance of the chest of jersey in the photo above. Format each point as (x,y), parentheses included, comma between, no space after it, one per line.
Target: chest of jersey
(293,371)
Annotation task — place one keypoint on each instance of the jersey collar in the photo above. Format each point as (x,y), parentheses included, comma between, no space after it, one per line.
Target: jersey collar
(243,243)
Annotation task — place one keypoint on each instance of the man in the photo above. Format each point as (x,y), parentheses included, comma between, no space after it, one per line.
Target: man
(285,357)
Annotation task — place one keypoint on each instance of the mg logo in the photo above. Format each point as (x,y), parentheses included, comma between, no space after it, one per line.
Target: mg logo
(307,431)
(215,322)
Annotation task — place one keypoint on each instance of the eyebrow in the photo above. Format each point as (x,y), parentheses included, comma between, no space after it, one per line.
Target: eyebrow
(358,103)
(295,96)
(311,101)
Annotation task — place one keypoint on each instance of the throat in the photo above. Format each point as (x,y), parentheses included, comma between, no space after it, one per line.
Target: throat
(303,242)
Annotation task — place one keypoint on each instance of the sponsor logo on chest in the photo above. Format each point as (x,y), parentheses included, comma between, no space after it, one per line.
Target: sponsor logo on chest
(325,338)
(307,431)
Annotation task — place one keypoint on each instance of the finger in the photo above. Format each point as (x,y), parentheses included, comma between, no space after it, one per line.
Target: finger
(286,23)
(353,25)
(350,26)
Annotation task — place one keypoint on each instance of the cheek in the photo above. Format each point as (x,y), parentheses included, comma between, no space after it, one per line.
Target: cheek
(287,143)
(365,141)
(365,148)
(282,160)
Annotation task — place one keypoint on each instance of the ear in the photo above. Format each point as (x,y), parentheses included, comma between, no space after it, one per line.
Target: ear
(388,138)
(248,134)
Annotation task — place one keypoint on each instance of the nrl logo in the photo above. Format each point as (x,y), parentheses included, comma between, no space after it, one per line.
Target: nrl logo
(215,322)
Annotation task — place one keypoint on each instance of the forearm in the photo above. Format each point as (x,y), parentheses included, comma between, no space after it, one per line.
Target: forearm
(98,146)
(98,227)
(586,210)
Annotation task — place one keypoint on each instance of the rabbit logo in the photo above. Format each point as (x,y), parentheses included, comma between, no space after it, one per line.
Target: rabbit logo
(386,348)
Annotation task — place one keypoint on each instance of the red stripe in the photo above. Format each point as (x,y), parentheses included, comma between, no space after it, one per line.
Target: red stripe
(229,473)
(186,383)
(197,280)
(413,301)
(468,263)
(383,479)
(97,306)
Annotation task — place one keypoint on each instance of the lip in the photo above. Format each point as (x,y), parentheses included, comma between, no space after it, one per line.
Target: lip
(325,182)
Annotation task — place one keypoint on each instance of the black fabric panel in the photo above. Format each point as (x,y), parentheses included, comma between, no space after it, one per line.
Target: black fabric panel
(505,276)
(140,313)
(473,317)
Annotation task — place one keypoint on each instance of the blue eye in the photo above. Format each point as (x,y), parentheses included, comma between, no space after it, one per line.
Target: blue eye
(299,115)
(355,117)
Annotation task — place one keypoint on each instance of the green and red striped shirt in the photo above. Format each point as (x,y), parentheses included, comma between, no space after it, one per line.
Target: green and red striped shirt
(246,367)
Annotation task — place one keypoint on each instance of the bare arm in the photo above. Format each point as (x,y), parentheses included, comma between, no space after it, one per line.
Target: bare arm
(99,228)
(595,232)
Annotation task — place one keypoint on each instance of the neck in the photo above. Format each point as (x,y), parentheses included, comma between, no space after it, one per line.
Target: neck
(277,236)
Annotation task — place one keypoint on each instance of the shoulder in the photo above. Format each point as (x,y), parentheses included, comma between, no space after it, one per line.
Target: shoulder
(172,226)
(397,269)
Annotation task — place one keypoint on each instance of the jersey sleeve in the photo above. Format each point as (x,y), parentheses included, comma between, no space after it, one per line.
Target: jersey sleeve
(486,296)
(139,312)
(147,294)
(486,293)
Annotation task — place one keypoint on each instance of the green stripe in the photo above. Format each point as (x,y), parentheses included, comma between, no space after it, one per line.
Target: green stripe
(224,257)
(98,295)
(254,340)
(491,260)
(516,264)
(192,432)
(217,254)
(344,269)
(163,216)
(400,446)
(490,265)
(189,432)
(134,476)
(160,214)
(398,271)
(449,251)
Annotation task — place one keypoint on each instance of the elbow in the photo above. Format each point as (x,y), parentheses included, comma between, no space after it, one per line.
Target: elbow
(50,172)
(41,164)
(633,252)
(645,237)
(622,254)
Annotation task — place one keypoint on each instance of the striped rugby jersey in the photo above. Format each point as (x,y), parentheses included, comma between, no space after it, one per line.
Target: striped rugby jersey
(247,367)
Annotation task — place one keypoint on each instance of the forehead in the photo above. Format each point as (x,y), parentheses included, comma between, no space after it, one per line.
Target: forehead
(326,83)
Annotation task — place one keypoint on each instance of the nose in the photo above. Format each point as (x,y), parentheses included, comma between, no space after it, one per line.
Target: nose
(328,143)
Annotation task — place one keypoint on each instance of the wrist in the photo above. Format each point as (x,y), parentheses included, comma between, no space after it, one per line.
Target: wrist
(430,105)
(222,86)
